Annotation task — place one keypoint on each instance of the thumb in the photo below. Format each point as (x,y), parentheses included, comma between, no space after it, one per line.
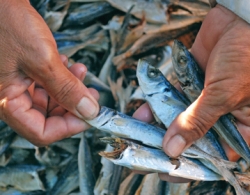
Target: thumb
(66,89)
(191,124)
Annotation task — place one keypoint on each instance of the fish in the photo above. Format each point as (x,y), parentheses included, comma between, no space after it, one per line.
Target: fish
(86,173)
(191,80)
(91,80)
(167,103)
(160,38)
(124,126)
(177,188)
(130,184)
(152,185)
(22,177)
(84,14)
(103,181)
(67,180)
(138,157)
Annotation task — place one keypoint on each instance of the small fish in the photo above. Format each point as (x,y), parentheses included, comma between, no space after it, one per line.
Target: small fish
(121,125)
(167,103)
(130,184)
(86,13)
(192,82)
(68,180)
(138,157)
(152,185)
(21,177)
(86,173)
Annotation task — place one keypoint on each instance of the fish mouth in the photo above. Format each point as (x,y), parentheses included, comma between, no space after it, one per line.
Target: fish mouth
(118,144)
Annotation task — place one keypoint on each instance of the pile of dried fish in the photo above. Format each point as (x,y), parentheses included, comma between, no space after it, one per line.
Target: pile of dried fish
(109,37)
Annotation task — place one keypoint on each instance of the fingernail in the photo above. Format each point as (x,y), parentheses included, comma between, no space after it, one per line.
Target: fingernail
(175,146)
(87,108)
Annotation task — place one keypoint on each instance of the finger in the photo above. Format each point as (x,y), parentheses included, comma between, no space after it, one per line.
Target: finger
(242,115)
(172,179)
(64,60)
(79,70)
(191,124)
(144,113)
(31,123)
(40,100)
(60,83)
(57,110)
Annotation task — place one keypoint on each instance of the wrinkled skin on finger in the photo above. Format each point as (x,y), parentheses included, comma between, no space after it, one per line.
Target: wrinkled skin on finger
(222,50)
(29,60)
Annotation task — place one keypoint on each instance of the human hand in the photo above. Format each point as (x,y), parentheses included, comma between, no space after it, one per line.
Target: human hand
(221,49)
(29,53)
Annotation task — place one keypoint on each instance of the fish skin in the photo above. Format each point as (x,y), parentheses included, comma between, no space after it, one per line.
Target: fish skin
(86,173)
(68,179)
(162,98)
(192,82)
(166,103)
(125,126)
(129,185)
(21,177)
(138,157)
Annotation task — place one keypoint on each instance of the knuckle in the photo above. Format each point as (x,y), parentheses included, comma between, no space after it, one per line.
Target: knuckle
(198,127)
(63,91)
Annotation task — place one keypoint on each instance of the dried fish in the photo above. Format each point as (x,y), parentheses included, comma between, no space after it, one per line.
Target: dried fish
(87,13)
(130,184)
(153,11)
(103,182)
(22,177)
(68,179)
(152,185)
(86,174)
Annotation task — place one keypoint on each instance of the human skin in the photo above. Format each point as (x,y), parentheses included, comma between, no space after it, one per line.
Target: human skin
(40,98)
(222,50)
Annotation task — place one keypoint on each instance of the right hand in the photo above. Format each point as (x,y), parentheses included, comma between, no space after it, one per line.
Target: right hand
(28,54)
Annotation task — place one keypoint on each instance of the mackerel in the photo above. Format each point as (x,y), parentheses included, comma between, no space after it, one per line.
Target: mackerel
(191,80)
(167,103)
(138,157)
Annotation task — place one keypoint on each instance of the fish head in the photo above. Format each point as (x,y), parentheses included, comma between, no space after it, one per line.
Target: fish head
(151,79)
(182,60)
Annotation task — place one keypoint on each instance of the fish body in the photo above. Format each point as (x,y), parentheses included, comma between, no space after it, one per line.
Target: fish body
(124,126)
(192,82)
(167,105)
(142,158)
(21,177)
(86,173)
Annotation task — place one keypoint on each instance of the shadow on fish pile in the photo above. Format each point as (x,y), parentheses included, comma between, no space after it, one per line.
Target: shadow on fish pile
(109,37)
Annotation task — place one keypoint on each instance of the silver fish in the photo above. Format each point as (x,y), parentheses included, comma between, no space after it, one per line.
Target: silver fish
(21,177)
(142,158)
(130,184)
(125,126)
(152,185)
(166,103)
(86,173)
(192,82)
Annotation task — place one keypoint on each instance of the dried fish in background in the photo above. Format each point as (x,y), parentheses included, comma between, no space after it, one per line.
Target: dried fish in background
(109,37)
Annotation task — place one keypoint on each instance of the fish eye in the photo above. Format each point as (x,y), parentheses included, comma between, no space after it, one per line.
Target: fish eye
(152,73)
(182,60)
